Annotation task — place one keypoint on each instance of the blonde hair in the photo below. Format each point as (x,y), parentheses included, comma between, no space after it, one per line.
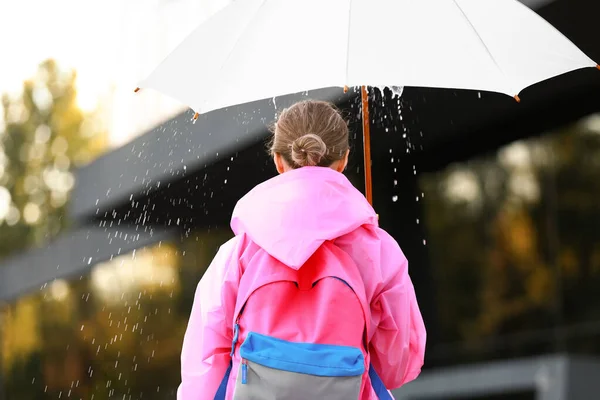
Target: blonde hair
(310,133)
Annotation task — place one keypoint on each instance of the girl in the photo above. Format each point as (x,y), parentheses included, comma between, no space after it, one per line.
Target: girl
(310,299)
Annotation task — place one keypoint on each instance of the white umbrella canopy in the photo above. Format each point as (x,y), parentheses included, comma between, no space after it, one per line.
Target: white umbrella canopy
(257,49)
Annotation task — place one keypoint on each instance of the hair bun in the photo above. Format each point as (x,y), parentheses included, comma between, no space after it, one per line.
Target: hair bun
(308,150)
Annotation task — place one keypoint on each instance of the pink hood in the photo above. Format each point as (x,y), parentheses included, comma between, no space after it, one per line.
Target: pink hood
(291,215)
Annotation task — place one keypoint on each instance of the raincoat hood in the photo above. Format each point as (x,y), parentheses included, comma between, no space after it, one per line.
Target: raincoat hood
(292,215)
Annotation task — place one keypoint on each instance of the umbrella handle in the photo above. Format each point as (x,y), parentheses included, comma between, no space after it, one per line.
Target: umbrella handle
(367,144)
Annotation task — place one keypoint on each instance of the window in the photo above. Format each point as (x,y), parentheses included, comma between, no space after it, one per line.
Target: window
(514,242)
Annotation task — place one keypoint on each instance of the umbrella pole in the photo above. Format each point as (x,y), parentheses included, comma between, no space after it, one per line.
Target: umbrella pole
(367,144)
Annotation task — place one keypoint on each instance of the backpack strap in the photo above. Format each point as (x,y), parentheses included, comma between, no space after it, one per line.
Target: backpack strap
(222,391)
(378,386)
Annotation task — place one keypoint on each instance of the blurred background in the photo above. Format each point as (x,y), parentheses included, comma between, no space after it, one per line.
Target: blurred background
(112,206)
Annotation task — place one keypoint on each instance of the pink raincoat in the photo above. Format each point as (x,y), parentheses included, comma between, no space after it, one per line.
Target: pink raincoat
(290,217)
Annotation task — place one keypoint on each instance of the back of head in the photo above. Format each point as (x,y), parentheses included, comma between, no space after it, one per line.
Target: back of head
(310,133)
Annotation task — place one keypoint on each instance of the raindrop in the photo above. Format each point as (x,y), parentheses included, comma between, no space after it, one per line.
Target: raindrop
(418,222)
(424,242)
(395,199)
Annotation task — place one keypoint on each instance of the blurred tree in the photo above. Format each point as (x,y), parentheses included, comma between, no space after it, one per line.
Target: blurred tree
(45,135)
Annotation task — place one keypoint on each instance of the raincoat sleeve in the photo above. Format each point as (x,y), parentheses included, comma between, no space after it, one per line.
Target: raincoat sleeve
(397,346)
(207,343)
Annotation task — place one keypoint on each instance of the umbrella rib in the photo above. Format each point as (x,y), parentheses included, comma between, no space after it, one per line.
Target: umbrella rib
(348,42)
(481,40)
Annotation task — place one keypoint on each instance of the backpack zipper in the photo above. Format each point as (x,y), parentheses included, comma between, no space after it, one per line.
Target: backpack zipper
(236,334)
(236,331)
(244,372)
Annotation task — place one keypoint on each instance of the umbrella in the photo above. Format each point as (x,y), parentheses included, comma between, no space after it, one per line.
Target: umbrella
(258,49)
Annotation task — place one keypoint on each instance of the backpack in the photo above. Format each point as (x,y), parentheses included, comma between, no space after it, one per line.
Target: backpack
(301,334)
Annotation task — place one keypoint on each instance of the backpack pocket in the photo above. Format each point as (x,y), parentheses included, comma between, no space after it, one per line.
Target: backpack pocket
(272,368)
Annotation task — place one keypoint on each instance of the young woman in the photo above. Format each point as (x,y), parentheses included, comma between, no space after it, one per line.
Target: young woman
(310,299)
